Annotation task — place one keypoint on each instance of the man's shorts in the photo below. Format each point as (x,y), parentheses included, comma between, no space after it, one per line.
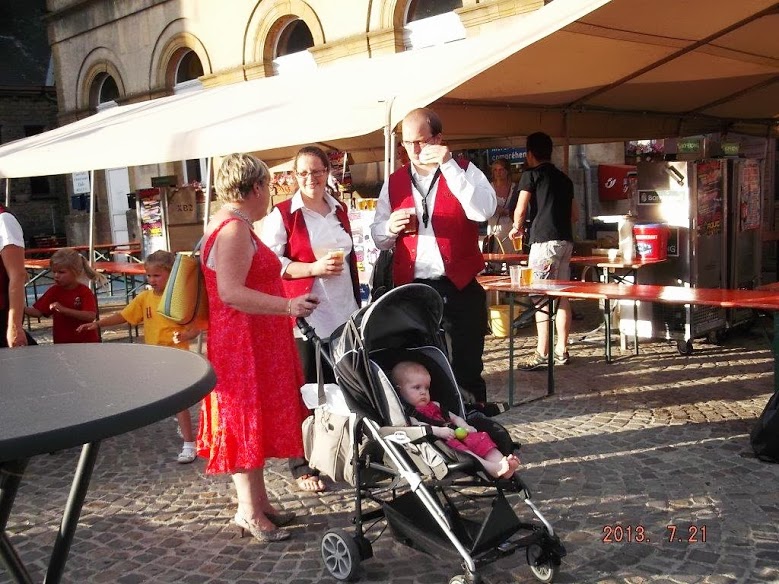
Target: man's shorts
(551,260)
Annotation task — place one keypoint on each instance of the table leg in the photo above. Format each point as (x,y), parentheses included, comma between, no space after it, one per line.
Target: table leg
(11,474)
(607,326)
(552,304)
(635,326)
(78,492)
(776,348)
(511,349)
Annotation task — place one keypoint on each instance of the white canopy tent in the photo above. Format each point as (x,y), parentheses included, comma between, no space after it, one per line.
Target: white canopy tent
(352,99)
(582,70)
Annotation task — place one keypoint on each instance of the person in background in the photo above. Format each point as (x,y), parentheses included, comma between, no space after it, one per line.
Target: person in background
(311,235)
(68,301)
(401,156)
(550,192)
(506,194)
(412,381)
(255,411)
(429,212)
(13,277)
(157,330)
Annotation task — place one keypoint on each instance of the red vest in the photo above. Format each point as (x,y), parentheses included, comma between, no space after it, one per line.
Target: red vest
(299,248)
(4,282)
(456,235)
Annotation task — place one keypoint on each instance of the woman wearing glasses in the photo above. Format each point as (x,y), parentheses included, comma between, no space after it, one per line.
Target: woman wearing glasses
(311,235)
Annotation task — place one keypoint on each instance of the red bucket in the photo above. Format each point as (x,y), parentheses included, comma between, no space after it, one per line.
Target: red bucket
(651,241)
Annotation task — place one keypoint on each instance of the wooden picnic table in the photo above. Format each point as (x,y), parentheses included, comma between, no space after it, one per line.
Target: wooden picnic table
(553,290)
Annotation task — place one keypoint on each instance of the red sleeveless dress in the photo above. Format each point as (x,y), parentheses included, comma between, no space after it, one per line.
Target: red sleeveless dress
(255,410)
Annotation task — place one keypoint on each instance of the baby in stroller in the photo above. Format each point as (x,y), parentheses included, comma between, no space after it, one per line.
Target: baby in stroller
(412,381)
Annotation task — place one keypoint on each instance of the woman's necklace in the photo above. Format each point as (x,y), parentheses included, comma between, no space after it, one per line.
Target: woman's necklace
(240,213)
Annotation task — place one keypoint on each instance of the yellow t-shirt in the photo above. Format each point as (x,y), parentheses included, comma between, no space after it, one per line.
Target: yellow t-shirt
(157,330)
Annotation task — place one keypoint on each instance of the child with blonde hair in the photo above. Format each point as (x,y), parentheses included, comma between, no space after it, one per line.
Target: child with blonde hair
(69,302)
(412,381)
(157,330)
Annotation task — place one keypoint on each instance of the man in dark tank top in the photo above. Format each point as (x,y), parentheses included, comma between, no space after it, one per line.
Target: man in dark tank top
(549,191)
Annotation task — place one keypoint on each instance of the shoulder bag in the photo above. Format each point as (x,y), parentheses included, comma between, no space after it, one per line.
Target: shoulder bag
(184,300)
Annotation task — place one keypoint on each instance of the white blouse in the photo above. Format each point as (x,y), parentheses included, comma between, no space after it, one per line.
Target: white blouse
(335,293)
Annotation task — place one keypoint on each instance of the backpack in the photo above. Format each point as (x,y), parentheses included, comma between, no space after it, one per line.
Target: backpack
(765,435)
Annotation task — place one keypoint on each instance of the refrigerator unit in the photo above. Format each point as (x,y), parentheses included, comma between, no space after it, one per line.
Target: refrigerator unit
(712,209)
(690,198)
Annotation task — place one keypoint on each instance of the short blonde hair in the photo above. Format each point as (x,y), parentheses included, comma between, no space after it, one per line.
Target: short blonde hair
(70,259)
(237,176)
(160,258)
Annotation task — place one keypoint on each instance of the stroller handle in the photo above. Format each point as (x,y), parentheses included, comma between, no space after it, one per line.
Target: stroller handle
(321,345)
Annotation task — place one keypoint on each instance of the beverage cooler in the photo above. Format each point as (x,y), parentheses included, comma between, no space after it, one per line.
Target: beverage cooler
(712,209)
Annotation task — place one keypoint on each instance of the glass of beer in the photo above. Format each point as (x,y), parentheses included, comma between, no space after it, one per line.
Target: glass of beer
(526,276)
(337,254)
(517,243)
(413,223)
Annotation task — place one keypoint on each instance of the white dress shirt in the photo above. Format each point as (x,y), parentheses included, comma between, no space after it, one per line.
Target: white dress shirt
(471,188)
(335,293)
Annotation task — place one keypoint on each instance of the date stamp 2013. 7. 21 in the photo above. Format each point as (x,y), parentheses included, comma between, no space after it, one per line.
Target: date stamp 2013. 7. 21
(626,533)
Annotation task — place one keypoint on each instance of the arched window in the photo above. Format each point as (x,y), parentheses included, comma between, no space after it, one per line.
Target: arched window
(189,67)
(295,37)
(290,54)
(419,9)
(103,91)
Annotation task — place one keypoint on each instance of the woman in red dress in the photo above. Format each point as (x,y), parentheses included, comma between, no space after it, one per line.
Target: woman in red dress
(255,410)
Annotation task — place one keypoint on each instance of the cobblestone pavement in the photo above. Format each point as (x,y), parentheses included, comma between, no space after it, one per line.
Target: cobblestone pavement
(646,443)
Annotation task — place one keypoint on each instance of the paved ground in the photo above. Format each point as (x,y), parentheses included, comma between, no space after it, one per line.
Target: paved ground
(646,443)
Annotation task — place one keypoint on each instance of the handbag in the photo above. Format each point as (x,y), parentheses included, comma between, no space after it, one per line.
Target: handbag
(184,300)
(328,437)
(492,244)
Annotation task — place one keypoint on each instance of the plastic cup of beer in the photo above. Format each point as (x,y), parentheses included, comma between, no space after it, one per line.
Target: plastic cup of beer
(337,254)
(515,272)
(413,222)
(517,243)
(525,276)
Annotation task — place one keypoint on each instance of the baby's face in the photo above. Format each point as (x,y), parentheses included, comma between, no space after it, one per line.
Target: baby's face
(415,387)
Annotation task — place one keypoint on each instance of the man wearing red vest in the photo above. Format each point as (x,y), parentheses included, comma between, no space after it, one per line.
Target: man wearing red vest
(441,246)
(12,279)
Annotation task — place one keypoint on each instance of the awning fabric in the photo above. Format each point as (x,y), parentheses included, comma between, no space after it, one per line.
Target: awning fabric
(583,70)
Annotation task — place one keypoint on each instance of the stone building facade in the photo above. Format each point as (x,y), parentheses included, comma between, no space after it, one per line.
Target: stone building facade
(107,52)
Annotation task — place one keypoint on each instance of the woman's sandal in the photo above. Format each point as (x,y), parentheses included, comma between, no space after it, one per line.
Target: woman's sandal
(281,518)
(311,483)
(261,535)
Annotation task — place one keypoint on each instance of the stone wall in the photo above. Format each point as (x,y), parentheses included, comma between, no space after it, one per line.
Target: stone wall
(39,213)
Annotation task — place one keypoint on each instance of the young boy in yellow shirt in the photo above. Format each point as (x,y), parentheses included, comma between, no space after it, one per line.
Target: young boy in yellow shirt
(157,330)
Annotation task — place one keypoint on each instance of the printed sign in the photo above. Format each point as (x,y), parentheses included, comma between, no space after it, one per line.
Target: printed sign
(513,155)
(657,197)
(80,183)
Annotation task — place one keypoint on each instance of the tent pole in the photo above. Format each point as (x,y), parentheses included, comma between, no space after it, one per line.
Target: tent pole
(393,150)
(566,144)
(7,192)
(207,210)
(92,218)
(388,158)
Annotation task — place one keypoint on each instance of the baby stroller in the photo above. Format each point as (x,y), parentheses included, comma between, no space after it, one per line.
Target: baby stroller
(434,499)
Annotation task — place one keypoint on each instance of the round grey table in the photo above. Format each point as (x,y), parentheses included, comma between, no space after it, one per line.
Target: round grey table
(61,396)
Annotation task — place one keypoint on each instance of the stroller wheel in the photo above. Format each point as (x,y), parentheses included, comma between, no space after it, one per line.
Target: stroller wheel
(341,554)
(545,571)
